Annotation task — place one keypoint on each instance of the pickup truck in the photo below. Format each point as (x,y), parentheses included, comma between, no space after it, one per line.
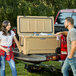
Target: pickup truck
(61,15)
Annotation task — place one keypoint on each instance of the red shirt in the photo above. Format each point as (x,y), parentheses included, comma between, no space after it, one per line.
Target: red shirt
(8,57)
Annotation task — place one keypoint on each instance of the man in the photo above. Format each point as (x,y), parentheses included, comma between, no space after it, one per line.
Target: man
(70,60)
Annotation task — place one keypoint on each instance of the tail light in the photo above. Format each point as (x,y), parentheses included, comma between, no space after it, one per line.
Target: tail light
(63,47)
(64,52)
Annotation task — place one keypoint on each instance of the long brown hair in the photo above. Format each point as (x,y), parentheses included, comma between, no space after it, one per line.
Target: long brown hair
(3,28)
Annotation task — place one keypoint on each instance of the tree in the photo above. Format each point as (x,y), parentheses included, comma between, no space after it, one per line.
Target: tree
(12,8)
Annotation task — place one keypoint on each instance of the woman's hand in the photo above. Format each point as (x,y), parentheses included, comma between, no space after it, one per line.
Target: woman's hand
(7,51)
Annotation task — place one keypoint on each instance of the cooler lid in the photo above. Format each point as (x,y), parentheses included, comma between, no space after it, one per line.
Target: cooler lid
(27,25)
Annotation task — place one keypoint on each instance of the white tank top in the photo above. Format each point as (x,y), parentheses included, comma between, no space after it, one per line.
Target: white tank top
(6,40)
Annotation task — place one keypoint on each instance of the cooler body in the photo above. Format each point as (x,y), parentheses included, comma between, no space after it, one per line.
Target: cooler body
(39,44)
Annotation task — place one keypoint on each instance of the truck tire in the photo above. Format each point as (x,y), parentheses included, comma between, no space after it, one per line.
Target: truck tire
(58,50)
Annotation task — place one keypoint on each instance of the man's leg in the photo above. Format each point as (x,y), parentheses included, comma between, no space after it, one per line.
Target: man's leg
(65,68)
(72,63)
(13,68)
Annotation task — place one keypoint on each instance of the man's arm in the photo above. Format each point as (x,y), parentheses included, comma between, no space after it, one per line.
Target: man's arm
(73,43)
(63,33)
(73,48)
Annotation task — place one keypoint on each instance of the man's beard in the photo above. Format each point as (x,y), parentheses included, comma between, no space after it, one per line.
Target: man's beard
(66,26)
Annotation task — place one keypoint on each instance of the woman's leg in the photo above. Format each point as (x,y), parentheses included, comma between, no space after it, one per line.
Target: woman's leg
(13,68)
(2,65)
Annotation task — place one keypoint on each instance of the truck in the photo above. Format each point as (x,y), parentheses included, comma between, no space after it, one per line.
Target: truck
(59,26)
(60,18)
(36,36)
(37,39)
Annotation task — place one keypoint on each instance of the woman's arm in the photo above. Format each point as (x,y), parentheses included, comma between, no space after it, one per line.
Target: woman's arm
(6,50)
(17,43)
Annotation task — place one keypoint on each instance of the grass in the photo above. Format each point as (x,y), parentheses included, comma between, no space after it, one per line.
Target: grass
(23,72)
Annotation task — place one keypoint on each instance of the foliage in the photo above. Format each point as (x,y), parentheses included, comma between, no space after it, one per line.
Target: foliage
(23,72)
(10,9)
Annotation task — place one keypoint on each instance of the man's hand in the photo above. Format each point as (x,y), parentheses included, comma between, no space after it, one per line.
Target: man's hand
(58,33)
(69,57)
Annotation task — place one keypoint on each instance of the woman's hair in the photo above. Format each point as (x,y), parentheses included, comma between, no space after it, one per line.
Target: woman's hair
(3,28)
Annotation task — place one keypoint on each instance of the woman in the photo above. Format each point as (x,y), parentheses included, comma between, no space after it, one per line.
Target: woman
(6,37)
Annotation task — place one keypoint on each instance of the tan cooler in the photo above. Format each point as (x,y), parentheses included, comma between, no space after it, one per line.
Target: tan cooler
(41,44)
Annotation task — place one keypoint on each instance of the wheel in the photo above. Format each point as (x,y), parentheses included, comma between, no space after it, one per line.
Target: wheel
(52,69)
(33,68)
(62,63)
(58,50)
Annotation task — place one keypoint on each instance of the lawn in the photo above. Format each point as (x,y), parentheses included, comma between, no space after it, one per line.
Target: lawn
(23,72)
